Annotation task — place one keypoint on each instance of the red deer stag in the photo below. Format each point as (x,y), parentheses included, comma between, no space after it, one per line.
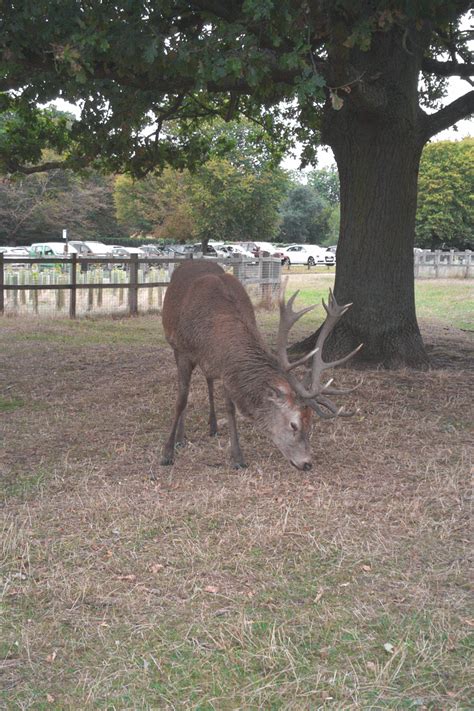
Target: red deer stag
(209,321)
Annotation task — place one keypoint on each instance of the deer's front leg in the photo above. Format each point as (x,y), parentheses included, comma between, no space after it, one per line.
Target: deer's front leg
(236,455)
(185,369)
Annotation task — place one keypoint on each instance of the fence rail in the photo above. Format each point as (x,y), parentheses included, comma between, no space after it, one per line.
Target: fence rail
(23,281)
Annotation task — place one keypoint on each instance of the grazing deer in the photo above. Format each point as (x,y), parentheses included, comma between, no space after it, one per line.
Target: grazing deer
(209,321)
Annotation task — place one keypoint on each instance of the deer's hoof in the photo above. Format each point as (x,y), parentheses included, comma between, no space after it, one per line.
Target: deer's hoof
(166,460)
(239,465)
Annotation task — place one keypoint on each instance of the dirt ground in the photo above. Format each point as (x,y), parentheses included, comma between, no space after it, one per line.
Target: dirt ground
(214,589)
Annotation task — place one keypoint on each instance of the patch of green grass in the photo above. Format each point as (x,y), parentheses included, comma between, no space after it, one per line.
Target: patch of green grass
(145,330)
(22,485)
(9,404)
(450,301)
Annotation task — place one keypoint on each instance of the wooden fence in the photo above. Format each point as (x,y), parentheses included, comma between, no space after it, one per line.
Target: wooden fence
(444,265)
(23,279)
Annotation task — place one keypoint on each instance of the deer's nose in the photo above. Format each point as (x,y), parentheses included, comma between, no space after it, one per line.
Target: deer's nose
(307,466)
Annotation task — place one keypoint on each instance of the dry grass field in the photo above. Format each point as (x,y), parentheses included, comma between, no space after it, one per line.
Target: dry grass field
(210,588)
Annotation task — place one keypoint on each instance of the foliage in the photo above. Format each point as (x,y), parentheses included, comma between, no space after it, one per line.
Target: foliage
(219,201)
(445,213)
(157,205)
(325,182)
(37,207)
(133,67)
(304,216)
(232,205)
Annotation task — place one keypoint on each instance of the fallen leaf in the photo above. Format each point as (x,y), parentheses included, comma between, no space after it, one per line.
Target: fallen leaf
(211,589)
(51,657)
(50,699)
(127,577)
(367,568)
(389,648)
(371,666)
(156,567)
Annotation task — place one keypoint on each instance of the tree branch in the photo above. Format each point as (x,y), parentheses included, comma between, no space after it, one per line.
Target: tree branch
(51,165)
(446,117)
(447,69)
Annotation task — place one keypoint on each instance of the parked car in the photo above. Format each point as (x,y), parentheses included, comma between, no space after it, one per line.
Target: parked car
(151,250)
(12,253)
(262,249)
(92,248)
(51,249)
(9,252)
(120,251)
(237,250)
(308,254)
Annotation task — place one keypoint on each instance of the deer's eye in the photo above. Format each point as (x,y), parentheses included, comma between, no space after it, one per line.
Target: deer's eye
(294,426)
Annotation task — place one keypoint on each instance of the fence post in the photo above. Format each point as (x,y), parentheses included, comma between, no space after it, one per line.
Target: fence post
(133,286)
(73,291)
(2,281)
(468,255)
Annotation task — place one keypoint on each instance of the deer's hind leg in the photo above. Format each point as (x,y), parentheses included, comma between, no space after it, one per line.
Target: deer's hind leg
(176,436)
(212,409)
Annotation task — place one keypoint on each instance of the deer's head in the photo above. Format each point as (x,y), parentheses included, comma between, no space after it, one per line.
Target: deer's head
(291,401)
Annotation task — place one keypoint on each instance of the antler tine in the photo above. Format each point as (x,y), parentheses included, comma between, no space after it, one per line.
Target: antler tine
(339,391)
(338,411)
(329,412)
(288,318)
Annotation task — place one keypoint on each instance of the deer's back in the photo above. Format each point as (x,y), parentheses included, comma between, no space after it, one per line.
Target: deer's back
(206,312)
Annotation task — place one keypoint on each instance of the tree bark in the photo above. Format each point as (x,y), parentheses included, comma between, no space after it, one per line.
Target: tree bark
(378,172)
(377,140)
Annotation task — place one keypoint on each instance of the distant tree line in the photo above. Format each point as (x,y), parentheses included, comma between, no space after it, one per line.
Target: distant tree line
(243,196)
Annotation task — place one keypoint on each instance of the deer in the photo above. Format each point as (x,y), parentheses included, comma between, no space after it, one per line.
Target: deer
(209,321)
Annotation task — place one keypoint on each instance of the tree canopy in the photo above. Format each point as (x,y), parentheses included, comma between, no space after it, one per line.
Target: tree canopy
(131,67)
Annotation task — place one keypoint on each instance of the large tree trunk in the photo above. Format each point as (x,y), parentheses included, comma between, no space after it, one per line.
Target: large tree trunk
(378,172)
(377,143)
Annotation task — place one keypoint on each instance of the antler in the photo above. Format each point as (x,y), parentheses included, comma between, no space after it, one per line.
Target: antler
(315,394)
(288,318)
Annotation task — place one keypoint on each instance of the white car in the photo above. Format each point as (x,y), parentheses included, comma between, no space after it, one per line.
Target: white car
(51,249)
(238,251)
(308,254)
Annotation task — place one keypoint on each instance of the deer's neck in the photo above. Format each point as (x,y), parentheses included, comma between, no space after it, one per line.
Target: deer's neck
(247,375)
